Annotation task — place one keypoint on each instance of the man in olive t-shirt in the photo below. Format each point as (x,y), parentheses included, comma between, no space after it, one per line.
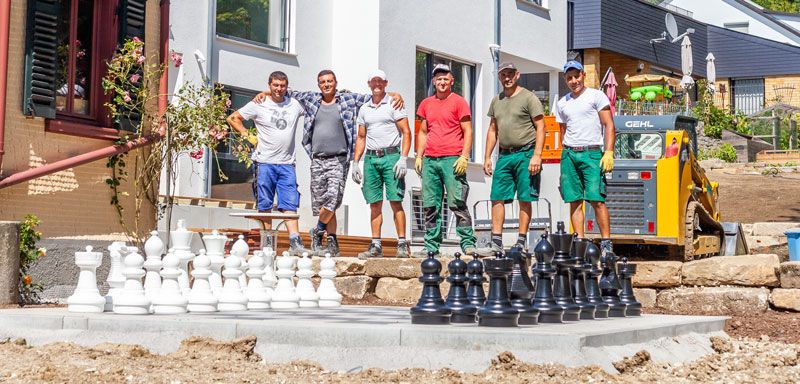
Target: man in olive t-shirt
(517,122)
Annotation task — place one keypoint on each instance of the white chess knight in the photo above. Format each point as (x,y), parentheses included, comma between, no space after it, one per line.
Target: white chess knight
(232,297)
(305,288)
(328,296)
(132,301)
(170,301)
(153,249)
(257,295)
(181,241)
(201,298)
(86,298)
(284,296)
(240,249)
(269,270)
(215,249)
(116,251)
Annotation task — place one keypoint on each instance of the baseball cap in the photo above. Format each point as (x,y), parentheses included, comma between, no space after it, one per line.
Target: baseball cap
(573,64)
(440,68)
(377,73)
(506,65)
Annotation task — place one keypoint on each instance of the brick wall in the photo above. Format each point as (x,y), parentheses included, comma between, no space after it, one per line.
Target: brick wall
(787,96)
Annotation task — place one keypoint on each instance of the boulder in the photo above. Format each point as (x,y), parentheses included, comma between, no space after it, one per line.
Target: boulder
(345,266)
(790,274)
(747,228)
(403,290)
(399,268)
(353,287)
(660,274)
(785,298)
(773,229)
(646,296)
(747,270)
(714,300)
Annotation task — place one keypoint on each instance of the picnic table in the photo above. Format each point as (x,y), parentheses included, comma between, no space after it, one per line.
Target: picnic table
(268,217)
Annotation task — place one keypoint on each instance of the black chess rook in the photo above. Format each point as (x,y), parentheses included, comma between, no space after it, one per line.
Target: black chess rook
(562,243)
(430,308)
(462,310)
(498,311)
(593,294)
(543,300)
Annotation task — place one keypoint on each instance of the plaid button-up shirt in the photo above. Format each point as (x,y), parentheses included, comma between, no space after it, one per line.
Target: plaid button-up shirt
(348,104)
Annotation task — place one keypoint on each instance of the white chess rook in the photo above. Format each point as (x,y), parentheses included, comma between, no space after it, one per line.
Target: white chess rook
(215,249)
(116,279)
(201,298)
(305,288)
(170,301)
(269,268)
(182,241)
(240,249)
(257,296)
(232,297)
(284,296)
(153,249)
(328,296)
(132,301)
(86,298)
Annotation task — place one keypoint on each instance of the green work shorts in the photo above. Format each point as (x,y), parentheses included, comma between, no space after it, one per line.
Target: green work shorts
(379,172)
(511,178)
(581,176)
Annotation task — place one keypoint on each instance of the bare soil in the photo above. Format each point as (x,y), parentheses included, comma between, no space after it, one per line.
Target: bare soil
(757,198)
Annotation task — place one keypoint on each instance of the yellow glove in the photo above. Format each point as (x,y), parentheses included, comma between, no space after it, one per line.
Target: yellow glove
(418,165)
(253,139)
(607,162)
(460,167)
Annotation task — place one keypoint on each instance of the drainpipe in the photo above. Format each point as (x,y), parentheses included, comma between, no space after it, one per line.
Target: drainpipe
(5,18)
(497,40)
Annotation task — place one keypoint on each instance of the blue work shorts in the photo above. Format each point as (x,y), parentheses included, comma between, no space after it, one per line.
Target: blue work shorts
(280,179)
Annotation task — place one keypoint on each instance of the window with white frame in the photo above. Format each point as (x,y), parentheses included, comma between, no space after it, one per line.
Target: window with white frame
(262,22)
(743,26)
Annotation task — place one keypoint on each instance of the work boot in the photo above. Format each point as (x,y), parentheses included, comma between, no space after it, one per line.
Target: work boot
(374,250)
(424,254)
(518,246)
(316,242)
(296,247)
(482,252)
(403,251)
(333,247)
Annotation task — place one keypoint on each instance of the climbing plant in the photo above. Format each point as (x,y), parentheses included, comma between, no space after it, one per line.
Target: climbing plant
(28,254)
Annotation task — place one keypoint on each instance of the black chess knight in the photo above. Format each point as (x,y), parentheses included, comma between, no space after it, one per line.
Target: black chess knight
(430,308)
(543,300)
(609,285)
(462,310)
(520,288)
(498,311)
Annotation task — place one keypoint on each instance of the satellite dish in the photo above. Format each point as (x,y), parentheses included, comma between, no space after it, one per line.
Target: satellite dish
(672,26)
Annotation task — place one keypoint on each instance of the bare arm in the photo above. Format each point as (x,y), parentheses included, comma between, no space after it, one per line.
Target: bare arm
(422,138)
(361,142)
(491,141)
(402,126)
(535,165)
(562,128)
(608,128)
(236,121)
(466,128)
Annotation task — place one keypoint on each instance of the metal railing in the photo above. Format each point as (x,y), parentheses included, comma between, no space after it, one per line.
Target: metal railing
(678,10)
(625,107)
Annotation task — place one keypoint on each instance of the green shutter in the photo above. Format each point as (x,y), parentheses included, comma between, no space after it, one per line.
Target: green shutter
(132,17)
(39,97)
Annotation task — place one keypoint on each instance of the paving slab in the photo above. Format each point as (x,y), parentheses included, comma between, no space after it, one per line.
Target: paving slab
(353,337)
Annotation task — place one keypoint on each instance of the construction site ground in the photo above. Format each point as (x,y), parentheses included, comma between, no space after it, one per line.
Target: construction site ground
(755,197)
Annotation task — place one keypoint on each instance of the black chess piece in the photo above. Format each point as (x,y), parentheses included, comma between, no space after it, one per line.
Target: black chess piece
(543,300)
(562,243)
(578,281)
(592,256)
(462,310)
(609,285)
(520,288)
(430,308)
(626,272)
(498,311)
(475,293)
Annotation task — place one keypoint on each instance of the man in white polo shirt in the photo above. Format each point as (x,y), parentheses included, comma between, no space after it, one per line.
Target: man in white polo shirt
(384,131)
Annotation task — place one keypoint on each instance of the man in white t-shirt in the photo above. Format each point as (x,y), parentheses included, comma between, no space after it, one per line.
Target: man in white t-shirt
(276,121)
(587,129)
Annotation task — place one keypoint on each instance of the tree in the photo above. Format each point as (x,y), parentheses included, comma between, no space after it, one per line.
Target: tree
(792,6)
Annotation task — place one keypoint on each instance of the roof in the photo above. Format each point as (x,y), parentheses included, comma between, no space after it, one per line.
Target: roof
(743,55)
(768,15)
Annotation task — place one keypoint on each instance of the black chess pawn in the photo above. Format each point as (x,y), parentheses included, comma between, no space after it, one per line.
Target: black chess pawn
(462,310)
(562,243)
(430,308)
(475,293)
(592,256)
(520,288)
(498,311)
(578,271)
(609,285)
(626,272)
(543,300)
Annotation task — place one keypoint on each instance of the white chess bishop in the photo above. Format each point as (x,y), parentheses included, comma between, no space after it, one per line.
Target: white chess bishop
(201,298)
(305,288)
(132,301)
(257,296)
(328,296)
(240,249)
(232,298)
(181,241)
(284,296)
(116,251)
(269,270)
(153,249)
(215,249)
(86,298)
(170,301)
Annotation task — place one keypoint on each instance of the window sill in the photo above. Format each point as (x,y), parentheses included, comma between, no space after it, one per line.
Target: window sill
(81,129)
(256,45)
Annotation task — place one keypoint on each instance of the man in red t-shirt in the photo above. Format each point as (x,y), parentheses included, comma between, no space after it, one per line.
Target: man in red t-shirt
(443,146)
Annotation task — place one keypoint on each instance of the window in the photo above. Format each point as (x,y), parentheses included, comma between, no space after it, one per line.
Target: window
(747,95)
(256,21)
(74,72)
(743,27)
(636,146)
(418,223)
(238,185)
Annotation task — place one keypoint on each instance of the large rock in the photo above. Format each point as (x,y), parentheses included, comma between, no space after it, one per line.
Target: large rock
(646,296)
(773,229)
(353,287)
(747,270)
(403,290)
(714,300)
(392,267)
(790,274)
(785,298)
(345,266)
(660,274)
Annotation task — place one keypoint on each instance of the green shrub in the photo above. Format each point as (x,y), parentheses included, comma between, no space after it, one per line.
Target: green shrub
(28,254)
(724,152)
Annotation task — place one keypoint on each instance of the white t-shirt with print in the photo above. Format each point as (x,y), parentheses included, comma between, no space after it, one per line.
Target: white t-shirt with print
(380,122)
(276,124)
(581,115)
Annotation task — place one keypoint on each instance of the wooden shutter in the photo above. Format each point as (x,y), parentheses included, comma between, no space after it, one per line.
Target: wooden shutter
(41,60)
(131,19)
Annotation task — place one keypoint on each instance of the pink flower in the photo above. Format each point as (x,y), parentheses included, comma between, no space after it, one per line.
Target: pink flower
(135,78)
(177,58)
(80,54)
(140,60)
(136,39)
(228,103)
(126,96)
(197,155)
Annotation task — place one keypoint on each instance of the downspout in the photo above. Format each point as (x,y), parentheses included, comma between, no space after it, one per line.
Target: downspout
(497,41)
(5,21)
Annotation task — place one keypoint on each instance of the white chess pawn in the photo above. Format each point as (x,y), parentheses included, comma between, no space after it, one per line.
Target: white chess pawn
(269,270)
(182,240)
(132,301)
(170,301)
(305,288)
(153,248)
(257,296)
(116,251)
(328,296)
(215,249)
(284,296)
(201,298)
(232,298)
(240,249)
(86,298)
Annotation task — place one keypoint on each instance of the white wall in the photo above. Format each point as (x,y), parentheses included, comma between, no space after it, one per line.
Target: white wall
(791,20)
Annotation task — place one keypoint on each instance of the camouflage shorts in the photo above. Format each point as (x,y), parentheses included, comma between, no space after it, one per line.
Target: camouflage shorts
(328,176)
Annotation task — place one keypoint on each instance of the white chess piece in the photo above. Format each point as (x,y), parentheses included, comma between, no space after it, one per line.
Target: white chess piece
(232,298)
(182,240)
(240,249)
(328,296)
(215,249)
(170,301)
(116,251)
(153,248)
(284,296)
(201,298)
(269,270)
(86,298)
(132,301)
(305,288)
(257,296)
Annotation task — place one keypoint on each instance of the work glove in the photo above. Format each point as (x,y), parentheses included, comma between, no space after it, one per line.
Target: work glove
(460,167)
(253,139)
(607,162)
(400,167)
(418,165)
(357,175)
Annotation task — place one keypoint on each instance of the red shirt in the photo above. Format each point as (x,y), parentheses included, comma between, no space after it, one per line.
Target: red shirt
(445,137)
